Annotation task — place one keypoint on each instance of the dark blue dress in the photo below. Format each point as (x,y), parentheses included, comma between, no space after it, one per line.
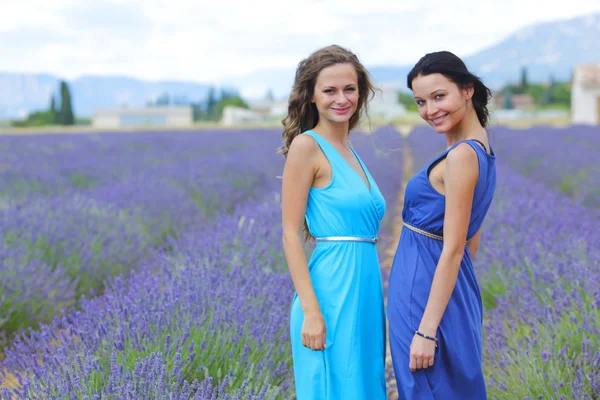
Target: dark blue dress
(457,371)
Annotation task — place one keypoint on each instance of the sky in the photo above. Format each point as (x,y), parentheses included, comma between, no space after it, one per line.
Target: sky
(210,41)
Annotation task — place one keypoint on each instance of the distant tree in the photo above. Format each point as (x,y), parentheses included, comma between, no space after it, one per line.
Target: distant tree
(524,80)
(270,96)
(229,94)
(197,111)
(408,101)
(65,115)
(508,103)
(211,102)
(547,96)
(561,94)
(162,100)
(37,118)
(52,110)
(228,101)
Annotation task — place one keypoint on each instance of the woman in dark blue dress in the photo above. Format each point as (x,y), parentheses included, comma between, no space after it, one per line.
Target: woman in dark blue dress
(434,302)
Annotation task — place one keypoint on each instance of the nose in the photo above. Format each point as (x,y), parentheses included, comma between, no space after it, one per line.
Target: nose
(341,98)
(431,109)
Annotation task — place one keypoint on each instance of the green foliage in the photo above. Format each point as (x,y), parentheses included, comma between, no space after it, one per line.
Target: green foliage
(546,95)
(53,116)
(408,101)
(52,109)
(508,103)
(234,101)
(214,107)
(65,115)
(569,183)
(524,80)
(211,102)
(38,118)
(560,93)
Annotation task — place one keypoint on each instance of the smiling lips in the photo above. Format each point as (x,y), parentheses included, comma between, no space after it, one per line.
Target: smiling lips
(439,120)
(341,110)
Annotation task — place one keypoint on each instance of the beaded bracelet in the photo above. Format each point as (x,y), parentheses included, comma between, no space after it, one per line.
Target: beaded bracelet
(427,337)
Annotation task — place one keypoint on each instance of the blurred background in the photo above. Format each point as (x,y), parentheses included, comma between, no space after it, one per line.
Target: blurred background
(125,63)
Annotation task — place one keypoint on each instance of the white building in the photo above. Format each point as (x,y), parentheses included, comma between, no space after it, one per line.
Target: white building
(385,104)
(269,108)
(585,94)
(233,115)
(258,111)
(168,116)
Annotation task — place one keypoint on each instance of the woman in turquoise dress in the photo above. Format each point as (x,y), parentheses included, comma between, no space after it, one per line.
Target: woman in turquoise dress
(337,321)
(434,303)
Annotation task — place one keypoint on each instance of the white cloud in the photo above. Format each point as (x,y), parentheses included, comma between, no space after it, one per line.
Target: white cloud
(209,40)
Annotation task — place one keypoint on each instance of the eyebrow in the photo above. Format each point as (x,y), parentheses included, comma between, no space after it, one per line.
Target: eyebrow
(437,90)
(333,87)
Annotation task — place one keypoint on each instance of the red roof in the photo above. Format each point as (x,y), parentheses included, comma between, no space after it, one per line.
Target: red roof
(587,74)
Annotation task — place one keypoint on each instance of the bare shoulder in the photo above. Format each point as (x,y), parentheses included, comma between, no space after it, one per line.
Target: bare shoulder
(462,155)
(303,146)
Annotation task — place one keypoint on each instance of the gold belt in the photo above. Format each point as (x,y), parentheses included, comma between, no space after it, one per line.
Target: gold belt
(422,232)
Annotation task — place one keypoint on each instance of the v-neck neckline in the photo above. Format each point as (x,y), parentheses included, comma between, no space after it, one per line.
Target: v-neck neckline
(368,184)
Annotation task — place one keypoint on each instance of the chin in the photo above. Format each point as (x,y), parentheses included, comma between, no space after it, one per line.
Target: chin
(439,128)
(341,119)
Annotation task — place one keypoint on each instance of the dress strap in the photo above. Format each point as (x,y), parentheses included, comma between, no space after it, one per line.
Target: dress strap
(482,145)
(325,146)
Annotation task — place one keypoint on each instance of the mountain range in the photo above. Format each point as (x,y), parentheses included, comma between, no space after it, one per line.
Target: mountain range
(545,49)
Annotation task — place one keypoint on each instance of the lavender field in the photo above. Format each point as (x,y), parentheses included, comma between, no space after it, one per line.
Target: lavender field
(149,265)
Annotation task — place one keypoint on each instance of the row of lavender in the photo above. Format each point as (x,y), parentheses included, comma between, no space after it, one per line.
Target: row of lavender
(211,321)
(539,265)
(562,159)
(76,209)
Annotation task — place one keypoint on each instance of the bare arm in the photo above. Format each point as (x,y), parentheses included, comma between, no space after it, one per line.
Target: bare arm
(460,178)
(298,175)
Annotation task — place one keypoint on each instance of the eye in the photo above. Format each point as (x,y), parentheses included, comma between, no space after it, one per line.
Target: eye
(439,96)
(351,89)
(328,91)
(419,102)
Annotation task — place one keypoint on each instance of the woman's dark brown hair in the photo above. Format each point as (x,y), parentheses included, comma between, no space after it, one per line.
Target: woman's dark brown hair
(453,68)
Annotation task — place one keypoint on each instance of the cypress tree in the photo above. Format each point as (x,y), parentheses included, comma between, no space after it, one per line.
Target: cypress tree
(508,103)
(53,113)
(211,102)
(65,115)
(524,80)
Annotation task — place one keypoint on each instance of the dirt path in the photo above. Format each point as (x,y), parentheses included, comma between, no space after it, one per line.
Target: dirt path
(390,251)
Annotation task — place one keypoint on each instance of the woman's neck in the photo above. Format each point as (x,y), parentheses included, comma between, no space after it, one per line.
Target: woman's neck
(335,133)
(468,128)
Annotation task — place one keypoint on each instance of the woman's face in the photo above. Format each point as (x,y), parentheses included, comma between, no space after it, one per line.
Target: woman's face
(440,101)
(336,93)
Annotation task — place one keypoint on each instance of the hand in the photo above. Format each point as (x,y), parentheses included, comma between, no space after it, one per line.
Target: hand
(313,331)
(422,352)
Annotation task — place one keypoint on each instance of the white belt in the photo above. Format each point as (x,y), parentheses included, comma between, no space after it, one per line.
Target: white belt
(347,239)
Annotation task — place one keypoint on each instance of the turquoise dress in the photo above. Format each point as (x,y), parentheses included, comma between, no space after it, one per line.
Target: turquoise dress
(347,282)
(456,373)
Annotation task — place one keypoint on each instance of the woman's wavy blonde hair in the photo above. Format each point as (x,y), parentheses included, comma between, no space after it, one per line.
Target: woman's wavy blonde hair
(302,113)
